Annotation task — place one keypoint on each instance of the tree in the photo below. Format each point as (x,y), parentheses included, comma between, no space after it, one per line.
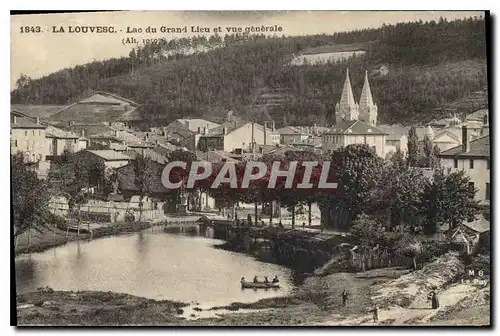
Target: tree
(143,178)
(368,231)
(413,147)
(74,176)
(410,246)
(398,195)
(448,199)
(355,168)
(30,198)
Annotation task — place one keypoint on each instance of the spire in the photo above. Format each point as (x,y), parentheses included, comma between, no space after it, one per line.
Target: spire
(347,109)
(347,98)
(367,109)
(366,99)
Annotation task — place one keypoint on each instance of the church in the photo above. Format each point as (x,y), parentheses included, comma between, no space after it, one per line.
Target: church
(355,123)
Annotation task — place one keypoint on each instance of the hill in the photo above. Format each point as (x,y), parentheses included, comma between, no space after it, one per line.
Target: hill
(430,64)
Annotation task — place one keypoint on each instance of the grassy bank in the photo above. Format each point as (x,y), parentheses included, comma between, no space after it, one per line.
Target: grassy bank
(313,302)
(94,308)
(48,238)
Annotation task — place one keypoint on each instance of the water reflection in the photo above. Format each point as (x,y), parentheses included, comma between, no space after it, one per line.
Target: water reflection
(151,264)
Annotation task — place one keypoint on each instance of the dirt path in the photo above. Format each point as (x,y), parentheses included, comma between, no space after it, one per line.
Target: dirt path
(419,312)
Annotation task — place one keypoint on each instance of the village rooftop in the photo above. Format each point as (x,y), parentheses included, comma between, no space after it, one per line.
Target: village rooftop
(311,174)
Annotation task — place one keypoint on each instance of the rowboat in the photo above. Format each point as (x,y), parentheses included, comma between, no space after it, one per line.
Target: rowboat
(247,284)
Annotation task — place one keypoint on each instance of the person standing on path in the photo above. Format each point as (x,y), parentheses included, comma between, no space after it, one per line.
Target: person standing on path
(375,314)
(435,301)
(345,295)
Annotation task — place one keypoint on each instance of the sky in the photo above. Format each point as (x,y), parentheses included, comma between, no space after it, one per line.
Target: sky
(39,54)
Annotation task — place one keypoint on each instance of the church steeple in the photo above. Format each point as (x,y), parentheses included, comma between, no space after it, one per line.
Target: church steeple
(347,109)
(367,109)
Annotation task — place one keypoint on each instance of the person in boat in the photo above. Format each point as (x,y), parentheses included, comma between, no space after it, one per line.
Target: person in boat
(255,280)
(242,280)
(266,280)
(275,280)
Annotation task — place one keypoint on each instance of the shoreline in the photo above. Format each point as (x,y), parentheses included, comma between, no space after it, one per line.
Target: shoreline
(46,238)
(400,294)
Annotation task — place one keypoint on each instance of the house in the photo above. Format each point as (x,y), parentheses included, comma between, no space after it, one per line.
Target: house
(290,135)
(59,140)
(396,139)
(99,107)
(110,158)
(473,157)
(237,135)
(127,186)
(468,236)
(349,132)
(28,137)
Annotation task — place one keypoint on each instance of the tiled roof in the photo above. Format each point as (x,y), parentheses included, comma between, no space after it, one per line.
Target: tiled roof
(288,130)
(107,96)
(479,147)
(101,99)
(41,111)
(232,126)
(54,132)
(481,225)
(394,132)
(453,132)
(479,114)
(176,128)
(22,122)
(89,129)
(193,124)
(355,127)
(109,155)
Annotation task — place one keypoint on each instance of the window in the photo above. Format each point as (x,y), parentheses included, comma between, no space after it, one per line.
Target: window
(25,133)
(27,142)
(488,164)
(487,196)
(471,164)
(455,163)
(33,132)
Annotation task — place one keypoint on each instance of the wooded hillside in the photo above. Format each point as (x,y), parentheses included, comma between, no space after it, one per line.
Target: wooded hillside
(430,64)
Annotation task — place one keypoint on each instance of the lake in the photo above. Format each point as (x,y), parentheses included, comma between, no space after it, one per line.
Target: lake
(151,264)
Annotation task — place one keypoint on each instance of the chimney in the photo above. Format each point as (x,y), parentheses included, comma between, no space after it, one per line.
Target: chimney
(224,130)
(38,120)
(116,134)
(273,126)
(164,133)
(82,132)
(465,140)
(265,133)
(199,130)
(205,130)
(157,142)
(14,120)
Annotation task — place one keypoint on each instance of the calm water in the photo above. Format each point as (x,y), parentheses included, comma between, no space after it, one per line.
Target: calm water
(150,264)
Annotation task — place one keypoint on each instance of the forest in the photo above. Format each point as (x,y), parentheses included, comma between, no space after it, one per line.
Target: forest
(429,65)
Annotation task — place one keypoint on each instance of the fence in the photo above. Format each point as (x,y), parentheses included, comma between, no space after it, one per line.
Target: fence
(110,211)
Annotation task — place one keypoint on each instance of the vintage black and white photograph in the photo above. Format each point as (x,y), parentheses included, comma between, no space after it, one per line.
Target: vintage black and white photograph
(250,168)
